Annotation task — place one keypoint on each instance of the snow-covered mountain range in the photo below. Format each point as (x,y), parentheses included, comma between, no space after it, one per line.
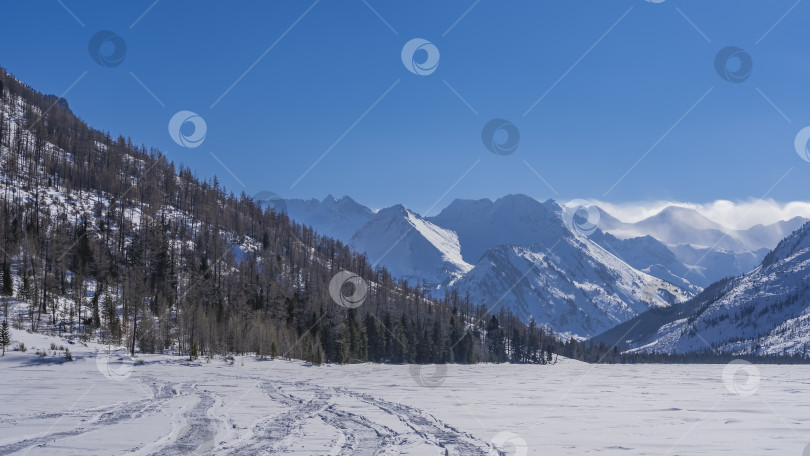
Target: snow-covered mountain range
(675,225)
(523,254)
(766,311)
(708,249)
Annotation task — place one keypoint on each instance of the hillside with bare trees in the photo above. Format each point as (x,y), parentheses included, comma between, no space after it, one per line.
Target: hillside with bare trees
(107,240)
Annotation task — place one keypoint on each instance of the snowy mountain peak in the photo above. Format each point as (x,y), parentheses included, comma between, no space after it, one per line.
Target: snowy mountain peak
(683,216)
(460,208)
(511,220)
(394,211)
(411,247)
(344,201)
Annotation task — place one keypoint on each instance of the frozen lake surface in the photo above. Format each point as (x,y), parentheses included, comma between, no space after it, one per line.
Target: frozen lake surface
(162,405)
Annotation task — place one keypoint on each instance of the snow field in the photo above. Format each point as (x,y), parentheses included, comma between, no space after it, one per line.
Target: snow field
(161,404)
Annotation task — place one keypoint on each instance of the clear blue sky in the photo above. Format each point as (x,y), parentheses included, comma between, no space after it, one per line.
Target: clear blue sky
(619,95)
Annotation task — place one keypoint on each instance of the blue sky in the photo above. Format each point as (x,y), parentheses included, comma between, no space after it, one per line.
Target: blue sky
(623,79)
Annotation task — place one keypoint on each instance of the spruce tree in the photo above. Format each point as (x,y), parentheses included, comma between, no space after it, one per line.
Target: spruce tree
(495,338)
(5,336)
(8,281)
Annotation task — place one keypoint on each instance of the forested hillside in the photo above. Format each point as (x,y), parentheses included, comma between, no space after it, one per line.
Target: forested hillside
(104,239)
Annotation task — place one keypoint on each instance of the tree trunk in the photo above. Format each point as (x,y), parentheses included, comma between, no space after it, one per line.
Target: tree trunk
(134,331)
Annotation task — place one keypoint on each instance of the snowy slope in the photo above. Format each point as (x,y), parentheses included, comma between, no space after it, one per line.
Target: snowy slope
(651,256)
(569,282)
(766,311)
(411,247)
(707,266)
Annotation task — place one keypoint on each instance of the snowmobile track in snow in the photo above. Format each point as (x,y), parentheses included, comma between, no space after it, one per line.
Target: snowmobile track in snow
(358,434)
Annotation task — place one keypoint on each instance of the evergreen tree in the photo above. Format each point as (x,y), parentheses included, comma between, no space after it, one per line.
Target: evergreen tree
(8,281)
(533,343)
(495,338)
(437,354)
(5,336)
(518,355)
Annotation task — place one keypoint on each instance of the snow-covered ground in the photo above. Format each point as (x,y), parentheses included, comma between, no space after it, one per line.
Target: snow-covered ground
(159,404)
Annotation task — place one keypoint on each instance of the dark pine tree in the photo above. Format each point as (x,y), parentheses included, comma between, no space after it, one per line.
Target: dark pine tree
(5,336)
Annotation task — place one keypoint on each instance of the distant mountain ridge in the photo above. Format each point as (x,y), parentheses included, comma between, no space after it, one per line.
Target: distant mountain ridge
(709,250)
(337,218)
(675,225)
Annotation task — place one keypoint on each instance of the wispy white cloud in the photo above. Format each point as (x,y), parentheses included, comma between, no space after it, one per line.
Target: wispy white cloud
(735,215)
